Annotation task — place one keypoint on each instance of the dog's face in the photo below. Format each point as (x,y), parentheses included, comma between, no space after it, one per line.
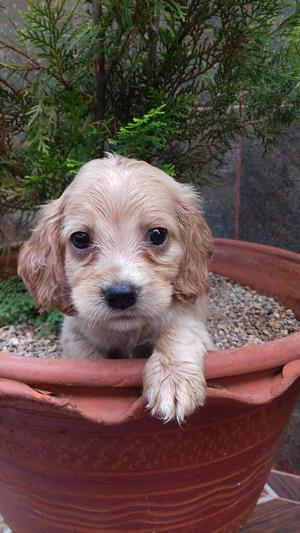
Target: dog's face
(120,245)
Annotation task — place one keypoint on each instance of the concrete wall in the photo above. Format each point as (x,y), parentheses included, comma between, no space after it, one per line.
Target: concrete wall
(270,194)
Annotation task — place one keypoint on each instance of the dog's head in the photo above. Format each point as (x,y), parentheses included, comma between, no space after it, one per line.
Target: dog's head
(122,243)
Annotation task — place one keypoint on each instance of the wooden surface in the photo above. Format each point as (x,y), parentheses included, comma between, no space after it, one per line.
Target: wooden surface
(278,509)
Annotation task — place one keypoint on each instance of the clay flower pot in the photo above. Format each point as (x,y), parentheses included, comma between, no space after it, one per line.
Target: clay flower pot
(79,453)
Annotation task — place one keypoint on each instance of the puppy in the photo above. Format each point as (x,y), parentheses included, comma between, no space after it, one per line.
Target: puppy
(123,254)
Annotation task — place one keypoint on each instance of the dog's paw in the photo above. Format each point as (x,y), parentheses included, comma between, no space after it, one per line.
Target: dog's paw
(173,390)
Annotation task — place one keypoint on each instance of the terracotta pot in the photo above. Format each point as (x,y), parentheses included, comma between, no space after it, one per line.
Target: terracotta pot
(78,452)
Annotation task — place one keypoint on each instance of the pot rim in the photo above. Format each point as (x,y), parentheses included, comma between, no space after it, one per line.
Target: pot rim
(264,249)
(129,372)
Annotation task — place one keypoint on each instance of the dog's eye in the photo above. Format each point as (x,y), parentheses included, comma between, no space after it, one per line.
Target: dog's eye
(80,240)
(157,236)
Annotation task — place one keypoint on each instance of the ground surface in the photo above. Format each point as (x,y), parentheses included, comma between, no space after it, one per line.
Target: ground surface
(278,509)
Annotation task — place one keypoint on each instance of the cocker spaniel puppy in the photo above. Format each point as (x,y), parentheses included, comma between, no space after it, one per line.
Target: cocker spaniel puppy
(123,254)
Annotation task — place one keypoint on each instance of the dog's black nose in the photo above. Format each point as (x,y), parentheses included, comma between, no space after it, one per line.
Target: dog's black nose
(120,295)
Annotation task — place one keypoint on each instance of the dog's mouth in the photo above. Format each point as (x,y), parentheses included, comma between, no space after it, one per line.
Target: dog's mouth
(122,316)
(124,321)
(133,315)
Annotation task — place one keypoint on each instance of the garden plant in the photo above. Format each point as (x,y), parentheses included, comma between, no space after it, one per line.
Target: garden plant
(170,82)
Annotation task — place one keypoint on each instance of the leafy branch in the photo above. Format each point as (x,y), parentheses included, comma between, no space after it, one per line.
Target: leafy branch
(158,80)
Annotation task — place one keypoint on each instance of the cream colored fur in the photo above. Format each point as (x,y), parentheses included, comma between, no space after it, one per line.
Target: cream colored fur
(116,201)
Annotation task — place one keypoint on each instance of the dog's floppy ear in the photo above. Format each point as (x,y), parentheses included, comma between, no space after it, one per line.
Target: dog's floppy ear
(41,261)
(192,280)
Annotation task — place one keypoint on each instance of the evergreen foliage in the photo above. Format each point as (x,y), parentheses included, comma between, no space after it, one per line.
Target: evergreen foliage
(172,82)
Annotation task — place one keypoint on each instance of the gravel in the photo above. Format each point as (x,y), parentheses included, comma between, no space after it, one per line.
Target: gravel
(237,316)
(23,339)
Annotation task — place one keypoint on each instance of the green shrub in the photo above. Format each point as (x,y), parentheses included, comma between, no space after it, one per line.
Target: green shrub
(47,323)
(168,81)
(16,306)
